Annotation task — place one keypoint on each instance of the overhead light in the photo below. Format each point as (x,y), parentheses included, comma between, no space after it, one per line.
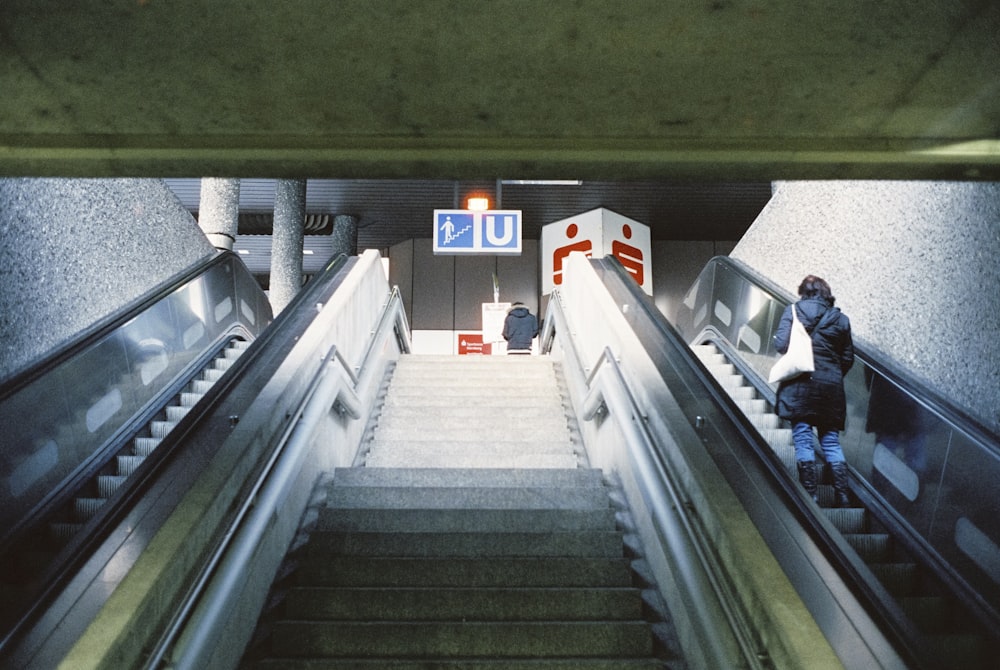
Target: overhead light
(542,182)
(478,204)
(970,148)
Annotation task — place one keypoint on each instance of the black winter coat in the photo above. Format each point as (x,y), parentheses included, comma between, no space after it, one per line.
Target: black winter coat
(817,398)
(519,328)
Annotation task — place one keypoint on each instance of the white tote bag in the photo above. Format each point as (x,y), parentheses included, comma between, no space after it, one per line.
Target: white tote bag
(798,358)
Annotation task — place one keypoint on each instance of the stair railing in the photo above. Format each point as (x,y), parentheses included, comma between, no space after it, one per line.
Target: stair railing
(197,627)
(725,638)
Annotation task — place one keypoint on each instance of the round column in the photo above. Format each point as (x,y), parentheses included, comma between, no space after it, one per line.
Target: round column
(345,235)
(219,211)
(286,242)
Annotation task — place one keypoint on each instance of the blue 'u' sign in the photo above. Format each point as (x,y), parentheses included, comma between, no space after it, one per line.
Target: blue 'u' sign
(462,231)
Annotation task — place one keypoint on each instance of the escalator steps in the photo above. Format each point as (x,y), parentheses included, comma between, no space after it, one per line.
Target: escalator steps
(85,508)
(946,644)
(872,547)
(108,484)
(144,446)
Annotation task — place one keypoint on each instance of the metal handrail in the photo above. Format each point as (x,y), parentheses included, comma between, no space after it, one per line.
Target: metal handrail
(702,579)
(188,639)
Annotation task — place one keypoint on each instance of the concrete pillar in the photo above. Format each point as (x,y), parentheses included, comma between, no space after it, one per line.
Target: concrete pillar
(219,211)
(286,242)
(345,235)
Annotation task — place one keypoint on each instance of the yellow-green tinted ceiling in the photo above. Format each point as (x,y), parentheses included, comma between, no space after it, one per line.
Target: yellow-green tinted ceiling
(614,90)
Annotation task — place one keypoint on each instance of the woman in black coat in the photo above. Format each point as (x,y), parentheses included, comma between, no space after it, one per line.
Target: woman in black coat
(816,400)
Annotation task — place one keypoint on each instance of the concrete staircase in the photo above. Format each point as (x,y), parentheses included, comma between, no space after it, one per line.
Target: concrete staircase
(473,411)
(469,539)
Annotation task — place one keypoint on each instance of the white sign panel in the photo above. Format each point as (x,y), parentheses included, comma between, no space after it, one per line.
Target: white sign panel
(494,314)
(462,231)
(597,233)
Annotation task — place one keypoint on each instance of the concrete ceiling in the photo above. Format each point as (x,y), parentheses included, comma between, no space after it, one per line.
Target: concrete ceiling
(391,211)
(616,91)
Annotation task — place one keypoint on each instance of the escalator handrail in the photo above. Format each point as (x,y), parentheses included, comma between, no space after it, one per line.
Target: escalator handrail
(834,548)
(605,384)
(985,612)
(205,607)
(935,402)
(103,525)
(107,325)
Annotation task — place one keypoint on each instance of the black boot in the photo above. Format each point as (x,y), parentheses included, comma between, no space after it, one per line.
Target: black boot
(839,472)
(807,477)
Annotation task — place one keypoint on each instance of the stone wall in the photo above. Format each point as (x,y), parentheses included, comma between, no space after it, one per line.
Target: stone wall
(916,265)
(76,250)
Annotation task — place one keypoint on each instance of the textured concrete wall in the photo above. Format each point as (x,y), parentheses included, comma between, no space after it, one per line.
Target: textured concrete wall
(75,250)
(916,265)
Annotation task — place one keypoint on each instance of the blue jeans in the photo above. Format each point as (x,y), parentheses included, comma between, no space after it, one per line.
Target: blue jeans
(829,441)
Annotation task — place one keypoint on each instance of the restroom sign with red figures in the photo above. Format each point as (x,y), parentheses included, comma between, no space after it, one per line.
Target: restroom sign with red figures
(597,233)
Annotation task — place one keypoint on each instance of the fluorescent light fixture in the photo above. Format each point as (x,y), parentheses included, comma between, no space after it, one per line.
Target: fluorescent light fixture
(971,148)
(542,182)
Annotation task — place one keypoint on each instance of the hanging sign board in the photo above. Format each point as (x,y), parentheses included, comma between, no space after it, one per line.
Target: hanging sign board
(463,231)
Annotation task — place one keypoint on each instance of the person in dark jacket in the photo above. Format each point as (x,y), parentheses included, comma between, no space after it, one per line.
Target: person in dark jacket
(816,400)
(519,328)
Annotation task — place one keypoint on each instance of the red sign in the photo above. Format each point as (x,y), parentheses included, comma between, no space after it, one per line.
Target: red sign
(470,344)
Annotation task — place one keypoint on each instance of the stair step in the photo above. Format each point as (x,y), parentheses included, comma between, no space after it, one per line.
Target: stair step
(435,639)
(144,446)
(189,399)
(899,578)
(161,429)
(467,497)
(470,539)
(445,423)
(84,509)
(418,459)
(128,464)
(477,413)
(212,375)
(464,520)
(488,372)
(462,664)
(108,484)
(201,386)
(459,477)
(847,520)
(439,361)
(554,571)
(463,443)
(558,543)
(463,604)
(872,547)
(176,412)
(454,445)
(506,402)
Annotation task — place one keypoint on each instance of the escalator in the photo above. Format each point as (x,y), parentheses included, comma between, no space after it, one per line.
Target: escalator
(871,576)
(90,423)
(132,575)
(917,466)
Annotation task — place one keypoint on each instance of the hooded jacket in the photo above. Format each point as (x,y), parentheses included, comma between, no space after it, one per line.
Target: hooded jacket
(519,327)
(817,398)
